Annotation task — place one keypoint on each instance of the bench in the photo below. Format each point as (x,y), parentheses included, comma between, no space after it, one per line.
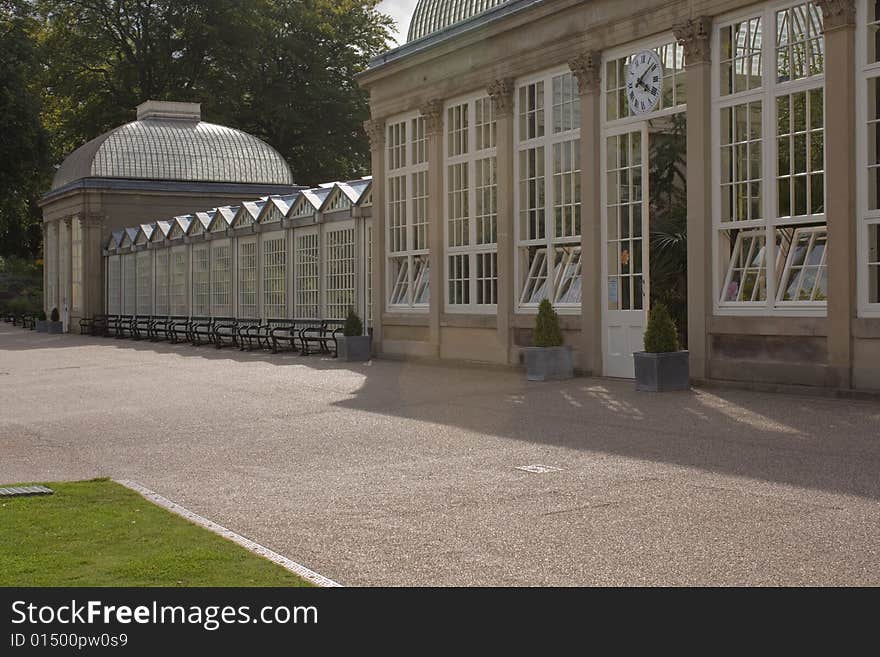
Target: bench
(201,331)
(161,325)
(90,325)
(282,335)
(142,327)
(177,329)
(124,326)
(321,333)
(248,333)
(225,329)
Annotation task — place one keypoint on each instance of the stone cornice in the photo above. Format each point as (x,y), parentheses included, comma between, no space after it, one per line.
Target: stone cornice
(375,129)
(694,35)
(433,113)
(837,13)
(587,68)
(501,92)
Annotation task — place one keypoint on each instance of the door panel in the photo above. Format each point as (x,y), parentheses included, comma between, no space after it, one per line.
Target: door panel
(625,260)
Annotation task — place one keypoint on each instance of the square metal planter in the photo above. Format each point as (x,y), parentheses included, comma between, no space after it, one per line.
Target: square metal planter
(42,326)
(549,363)
(55,328)
(662,372)
(353,348)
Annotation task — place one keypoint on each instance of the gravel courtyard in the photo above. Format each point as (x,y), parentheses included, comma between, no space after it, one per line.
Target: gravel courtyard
(407,474)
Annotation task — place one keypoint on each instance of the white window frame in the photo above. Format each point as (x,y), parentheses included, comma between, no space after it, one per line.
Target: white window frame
(200,288)
(76,265)
(129,284)
(114,285)
(145,276)
(264,271)
(299,271)
(178,301)
(333,279)
(767,93)
(239,242)
(865,72)
(472,250)
(220,287)
(162,277)
(550,243)
(416,261)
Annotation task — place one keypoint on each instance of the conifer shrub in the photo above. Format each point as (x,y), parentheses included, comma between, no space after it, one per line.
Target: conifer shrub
(548,333)
(55,317)
(661,335)
(353,324)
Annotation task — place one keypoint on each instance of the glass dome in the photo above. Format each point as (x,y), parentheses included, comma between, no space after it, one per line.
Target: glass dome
(434,15)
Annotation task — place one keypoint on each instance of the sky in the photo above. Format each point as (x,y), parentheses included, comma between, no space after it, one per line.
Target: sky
(401,11)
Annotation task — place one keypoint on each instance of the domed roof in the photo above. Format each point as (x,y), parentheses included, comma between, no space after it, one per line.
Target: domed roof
(434,15)
(169,141)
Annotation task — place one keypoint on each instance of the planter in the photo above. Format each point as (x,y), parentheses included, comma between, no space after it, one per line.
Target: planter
(549,363)
(353,348)
(55,328)
(42,326)
(662,372)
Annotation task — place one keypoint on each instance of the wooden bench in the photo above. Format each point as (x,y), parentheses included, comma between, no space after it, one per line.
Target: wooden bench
(282,335)
(321,333)
(225,329)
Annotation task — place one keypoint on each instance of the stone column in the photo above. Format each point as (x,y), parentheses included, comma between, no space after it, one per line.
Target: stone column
(45,230)
(433,113)
(65,292)
(694,36)
(587,68)
(375,130)
(501,92)
(840,182)
(93,265)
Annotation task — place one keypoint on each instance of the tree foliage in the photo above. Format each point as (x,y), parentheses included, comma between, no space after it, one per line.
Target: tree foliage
(283,70)
(24,157)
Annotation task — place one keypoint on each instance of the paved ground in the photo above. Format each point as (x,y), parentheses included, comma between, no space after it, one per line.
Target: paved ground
(399,474)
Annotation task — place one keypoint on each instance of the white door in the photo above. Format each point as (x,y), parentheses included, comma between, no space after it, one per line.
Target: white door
(625,258)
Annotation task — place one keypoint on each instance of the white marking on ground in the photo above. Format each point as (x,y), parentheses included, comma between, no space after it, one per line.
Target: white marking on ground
(538,469)
(246,543)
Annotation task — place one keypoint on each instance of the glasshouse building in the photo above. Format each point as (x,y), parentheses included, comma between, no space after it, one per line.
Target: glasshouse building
(304,255)
(716,156)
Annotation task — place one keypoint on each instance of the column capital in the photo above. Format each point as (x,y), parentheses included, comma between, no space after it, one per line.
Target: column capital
(433,113)
(375,129)
(837,13)
(587,68)
(501,92)
(694,35)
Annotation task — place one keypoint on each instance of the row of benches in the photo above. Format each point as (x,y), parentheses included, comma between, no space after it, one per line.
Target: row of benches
(305,336)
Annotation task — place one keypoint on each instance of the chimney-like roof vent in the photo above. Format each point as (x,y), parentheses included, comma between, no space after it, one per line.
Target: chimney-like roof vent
(169,110)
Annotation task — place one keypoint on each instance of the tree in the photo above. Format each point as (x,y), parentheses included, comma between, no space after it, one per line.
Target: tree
(280,69)
(24,169)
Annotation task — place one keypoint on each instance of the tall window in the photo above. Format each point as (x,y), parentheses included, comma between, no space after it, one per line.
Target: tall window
(247,279)
(201,280)
(339,271)
(471,206)
(275,277)
(129,284)
(162,294)
(868,61)
(770,211)
(368,229)
(177,286)
(144,283)
(549,192)
(307,272)
(114,285)
(221,279)
(76,265)
(407,214)
(51,257)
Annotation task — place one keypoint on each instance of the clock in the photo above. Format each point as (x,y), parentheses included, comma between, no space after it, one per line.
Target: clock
(644,82)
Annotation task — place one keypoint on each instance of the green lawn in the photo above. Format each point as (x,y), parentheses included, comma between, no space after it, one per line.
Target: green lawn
(98,533)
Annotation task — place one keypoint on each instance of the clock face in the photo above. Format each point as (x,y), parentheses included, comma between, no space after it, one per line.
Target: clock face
(644,82)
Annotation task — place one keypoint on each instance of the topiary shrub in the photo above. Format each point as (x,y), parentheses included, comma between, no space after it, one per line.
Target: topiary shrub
(54,316)
(548,333)
(353,325)
(661,336)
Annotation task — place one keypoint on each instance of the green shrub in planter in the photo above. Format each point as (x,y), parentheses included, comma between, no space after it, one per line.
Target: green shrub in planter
(548,360)
(353,346)
(662,366)
(55,317)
